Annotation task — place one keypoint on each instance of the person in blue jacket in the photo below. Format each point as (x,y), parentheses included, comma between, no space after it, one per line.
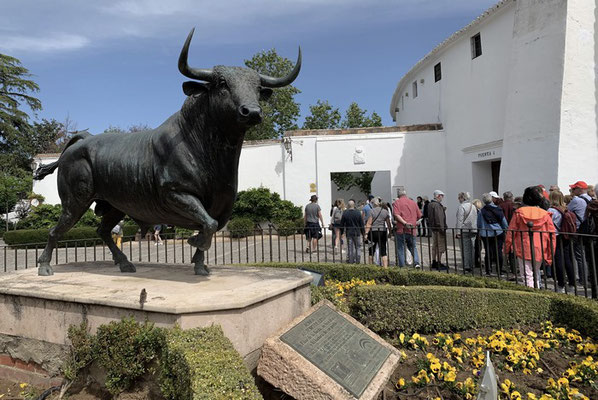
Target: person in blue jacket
(492,226)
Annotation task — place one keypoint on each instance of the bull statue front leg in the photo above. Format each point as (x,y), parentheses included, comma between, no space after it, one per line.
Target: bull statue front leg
(192,208)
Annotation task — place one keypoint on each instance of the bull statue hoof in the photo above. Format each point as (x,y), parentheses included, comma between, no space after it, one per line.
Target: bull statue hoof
(199,241)
(127,266)
(201,270)
(45,270)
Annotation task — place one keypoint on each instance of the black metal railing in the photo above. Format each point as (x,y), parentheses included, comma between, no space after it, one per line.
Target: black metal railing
(561,263)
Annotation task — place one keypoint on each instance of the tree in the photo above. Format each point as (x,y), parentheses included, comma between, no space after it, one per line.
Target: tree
(13,187)
(14,89)
(348,180)
(14,121)
(131,129)
(280,111)
(322,116)
(355,117)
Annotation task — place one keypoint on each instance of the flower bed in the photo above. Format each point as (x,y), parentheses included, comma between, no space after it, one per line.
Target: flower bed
(542,362)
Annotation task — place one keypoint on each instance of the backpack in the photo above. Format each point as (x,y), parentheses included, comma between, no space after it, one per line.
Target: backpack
(588,226)
(337,215)
(568,223)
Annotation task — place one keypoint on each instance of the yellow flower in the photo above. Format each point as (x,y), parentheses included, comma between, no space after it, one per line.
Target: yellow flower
(435,367)
(401,382)
(515,395)
(23,385)
(402,337)
(531,396)
(450,376)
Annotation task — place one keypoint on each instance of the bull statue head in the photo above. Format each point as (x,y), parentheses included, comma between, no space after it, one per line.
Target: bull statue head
(234,91)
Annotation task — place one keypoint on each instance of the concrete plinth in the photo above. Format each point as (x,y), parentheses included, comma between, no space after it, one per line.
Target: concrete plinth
(249,303)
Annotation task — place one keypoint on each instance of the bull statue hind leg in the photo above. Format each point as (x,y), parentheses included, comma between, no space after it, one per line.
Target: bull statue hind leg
(191,207)
(110,217)
(75,188)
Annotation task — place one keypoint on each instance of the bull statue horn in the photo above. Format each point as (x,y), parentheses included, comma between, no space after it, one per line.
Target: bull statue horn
(193,73)
(271,82)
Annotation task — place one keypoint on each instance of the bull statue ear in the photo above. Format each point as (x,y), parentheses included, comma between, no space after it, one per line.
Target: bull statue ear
(265,94)
(191,88)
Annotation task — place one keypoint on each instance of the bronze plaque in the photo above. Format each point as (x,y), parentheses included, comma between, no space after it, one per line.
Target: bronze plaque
(338,348)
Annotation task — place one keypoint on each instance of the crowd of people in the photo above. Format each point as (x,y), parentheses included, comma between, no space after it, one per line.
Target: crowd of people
(524,234)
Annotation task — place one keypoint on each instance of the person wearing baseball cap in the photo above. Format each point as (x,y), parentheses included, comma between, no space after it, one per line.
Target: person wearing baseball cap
(495,198)
(437,224)
(578,205)
(313,230)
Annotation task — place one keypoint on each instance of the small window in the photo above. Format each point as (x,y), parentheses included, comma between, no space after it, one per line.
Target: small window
(476,46)
(437,72)
(414,89)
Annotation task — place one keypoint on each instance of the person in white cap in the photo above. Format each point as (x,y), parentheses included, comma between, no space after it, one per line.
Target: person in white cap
(496,199)
(437,224)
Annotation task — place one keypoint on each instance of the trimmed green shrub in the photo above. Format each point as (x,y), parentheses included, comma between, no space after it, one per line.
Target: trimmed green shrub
(397,276)
(126,350)
(182,232)
(201,363)
(81,236)
(286,211)
(241,227)
(259,204)
(389,310)
(286,228)
(194,364)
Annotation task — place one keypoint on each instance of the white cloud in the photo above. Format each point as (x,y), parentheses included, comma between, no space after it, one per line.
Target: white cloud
(218,22)
(52,42)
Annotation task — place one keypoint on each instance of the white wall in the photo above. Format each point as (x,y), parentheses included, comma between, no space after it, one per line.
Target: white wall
(47,187)
(532,119)
(262,165)
(531,96)
(578,141)
(406,157)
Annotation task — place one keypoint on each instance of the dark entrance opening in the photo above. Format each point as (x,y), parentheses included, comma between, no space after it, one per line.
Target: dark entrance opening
(495,165)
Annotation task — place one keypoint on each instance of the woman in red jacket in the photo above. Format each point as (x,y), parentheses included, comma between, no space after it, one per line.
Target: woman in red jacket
(543,238)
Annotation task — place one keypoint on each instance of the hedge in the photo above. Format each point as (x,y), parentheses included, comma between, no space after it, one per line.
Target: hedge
(389,310)
(194,364)
(82,235)
(241,227)
(440,301)
(202,364)
(397,276)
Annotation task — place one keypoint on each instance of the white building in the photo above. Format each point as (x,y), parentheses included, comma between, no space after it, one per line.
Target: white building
(300,165)
(507,102)
(516,92)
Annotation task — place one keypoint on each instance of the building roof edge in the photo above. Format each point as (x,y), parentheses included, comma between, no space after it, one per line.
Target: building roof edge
(489,12)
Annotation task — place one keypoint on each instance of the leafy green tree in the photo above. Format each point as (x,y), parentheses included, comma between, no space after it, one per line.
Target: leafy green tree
(348,180)
(322,116)
(280,111)
(131,129)
(13,187)
(14,91)
(355,117)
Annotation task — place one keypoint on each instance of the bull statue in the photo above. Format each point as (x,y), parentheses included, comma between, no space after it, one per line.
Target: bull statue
(182,173)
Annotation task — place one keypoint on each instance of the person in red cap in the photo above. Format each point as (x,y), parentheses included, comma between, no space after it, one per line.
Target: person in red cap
(578,205)
(544,192)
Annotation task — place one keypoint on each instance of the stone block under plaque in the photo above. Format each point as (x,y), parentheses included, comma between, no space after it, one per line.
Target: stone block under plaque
(327,354)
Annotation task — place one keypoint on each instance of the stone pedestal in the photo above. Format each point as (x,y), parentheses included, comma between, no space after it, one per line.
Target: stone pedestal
(249,303)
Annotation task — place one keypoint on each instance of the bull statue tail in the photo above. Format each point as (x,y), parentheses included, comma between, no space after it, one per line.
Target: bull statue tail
(44,170)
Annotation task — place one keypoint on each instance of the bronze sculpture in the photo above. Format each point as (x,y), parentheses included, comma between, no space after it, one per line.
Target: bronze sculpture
(182,173)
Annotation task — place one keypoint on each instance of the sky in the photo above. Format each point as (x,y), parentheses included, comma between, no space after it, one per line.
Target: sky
(114,63)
